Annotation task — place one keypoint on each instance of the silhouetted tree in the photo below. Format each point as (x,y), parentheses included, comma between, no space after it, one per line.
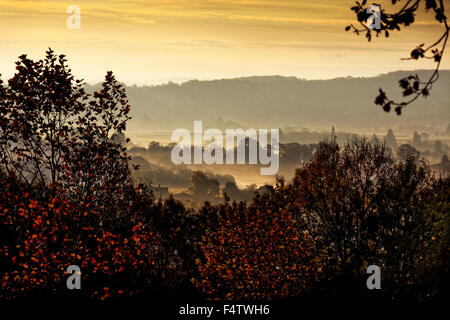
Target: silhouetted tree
(204,186)
(364,208)
(53,133)
(406,151)
(412,85)
(294,153)
(66,196)
(335,195)
(232,191)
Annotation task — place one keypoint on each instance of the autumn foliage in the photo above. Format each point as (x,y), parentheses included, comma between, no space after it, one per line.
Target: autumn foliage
(48,235)
(257,254)
(67,198)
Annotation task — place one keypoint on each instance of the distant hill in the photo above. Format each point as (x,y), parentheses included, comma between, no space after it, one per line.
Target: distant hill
(275,101)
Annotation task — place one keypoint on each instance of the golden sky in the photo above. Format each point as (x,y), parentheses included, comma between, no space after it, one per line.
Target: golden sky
(146,42)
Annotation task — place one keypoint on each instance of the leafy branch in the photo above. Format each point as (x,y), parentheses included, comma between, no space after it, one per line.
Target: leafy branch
(412,86)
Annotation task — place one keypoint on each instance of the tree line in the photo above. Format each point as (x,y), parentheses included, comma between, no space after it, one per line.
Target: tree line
(67,198)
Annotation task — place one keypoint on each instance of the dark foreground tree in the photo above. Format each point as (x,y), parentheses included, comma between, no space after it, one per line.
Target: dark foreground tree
(66,197)
(52,133)
(364,209)
(70,200)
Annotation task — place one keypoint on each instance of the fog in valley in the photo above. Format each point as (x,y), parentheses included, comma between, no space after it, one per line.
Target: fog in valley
(306,112)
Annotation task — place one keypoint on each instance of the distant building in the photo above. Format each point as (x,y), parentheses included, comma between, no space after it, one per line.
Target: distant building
(390,140)
(333,136)
(374,140)
(417,139)
(160,192)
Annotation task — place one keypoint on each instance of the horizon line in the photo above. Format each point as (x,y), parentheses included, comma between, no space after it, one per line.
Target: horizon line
(184,80)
